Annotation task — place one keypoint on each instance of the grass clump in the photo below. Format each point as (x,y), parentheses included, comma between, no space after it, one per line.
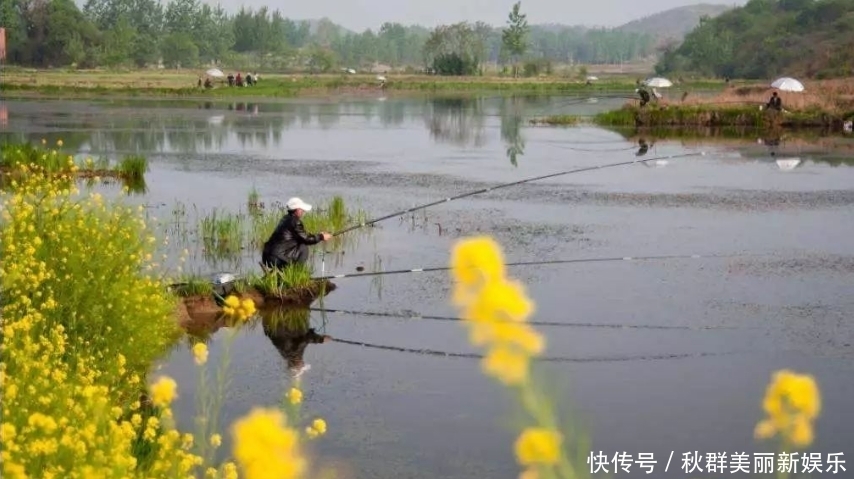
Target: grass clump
(557,120)
(133,167)
(222,233)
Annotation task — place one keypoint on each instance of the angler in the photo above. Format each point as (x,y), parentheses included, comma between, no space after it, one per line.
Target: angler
(289,242)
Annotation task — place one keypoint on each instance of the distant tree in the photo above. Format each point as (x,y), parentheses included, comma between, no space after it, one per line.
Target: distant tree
(514,38)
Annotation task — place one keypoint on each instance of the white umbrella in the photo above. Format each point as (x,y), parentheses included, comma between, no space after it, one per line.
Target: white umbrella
(658,82)
(215,72)
(787,84)
(592,78)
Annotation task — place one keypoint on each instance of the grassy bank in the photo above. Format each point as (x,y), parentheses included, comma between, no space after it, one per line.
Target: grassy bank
(65,83)
(720,116)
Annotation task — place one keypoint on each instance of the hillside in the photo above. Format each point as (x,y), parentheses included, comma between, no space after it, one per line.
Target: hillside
(675,23)
(770,38)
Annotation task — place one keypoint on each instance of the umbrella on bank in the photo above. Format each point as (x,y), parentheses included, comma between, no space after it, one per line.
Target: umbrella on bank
(658,82)
(787,84)
(215,72)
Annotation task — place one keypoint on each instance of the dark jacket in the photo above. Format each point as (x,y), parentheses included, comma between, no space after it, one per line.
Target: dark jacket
(287,238)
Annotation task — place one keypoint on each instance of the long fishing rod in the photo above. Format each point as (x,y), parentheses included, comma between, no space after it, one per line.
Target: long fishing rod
(532,263)
(505,185)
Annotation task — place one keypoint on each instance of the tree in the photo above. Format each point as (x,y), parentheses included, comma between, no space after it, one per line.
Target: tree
(453,49)
(179,51)
(514,37)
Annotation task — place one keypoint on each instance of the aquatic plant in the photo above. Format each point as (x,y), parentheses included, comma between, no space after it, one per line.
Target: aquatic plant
(133,167)
(277,282)
(222,233)
(190,285)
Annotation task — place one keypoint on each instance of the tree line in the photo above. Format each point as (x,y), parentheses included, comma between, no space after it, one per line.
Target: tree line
(191,33)
(769,38)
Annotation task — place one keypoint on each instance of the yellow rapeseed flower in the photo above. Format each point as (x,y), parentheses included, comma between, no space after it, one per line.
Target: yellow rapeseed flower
(216,440)
(538,446)
(510,366)
(294,396)
(477,260)
(163,391)
(266,448)
(792,401)
(319,425)
(200,353)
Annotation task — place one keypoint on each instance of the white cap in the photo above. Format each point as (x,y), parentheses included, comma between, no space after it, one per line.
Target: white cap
(296,203)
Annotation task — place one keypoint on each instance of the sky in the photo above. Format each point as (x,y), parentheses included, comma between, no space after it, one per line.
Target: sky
(359,15)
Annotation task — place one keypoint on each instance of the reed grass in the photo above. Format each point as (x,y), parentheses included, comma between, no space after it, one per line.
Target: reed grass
(189,285)
(222,233)
(133,167)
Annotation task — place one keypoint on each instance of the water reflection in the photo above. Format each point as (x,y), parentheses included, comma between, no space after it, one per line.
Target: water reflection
(290,331)
(512,111)
(767,145)
(456,120)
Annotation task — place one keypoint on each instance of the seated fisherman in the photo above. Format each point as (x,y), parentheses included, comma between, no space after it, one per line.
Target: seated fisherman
(289,242)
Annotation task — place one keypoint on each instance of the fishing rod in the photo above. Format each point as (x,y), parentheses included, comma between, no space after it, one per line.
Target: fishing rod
(532,263)
(231,277)
(505,185)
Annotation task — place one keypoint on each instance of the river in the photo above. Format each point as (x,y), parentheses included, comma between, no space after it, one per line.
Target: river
(648,356)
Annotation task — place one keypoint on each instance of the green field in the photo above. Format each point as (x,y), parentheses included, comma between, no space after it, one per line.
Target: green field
(65,83)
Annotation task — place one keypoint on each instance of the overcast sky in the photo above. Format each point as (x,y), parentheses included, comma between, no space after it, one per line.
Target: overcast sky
(361,14)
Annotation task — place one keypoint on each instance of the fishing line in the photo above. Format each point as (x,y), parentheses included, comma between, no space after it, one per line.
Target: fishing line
(534,323)
(505,185)
(606,150)
(594,359)
(535,263)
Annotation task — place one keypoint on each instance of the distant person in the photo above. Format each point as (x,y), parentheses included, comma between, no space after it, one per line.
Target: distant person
(684,96)
(775,102)
(644,96)
(289,242)
(230,79)
(200,82)
(208,83)
(249,79)
(239,79)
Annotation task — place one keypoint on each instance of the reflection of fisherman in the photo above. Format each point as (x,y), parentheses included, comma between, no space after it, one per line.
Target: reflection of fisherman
(644,96)
(644,147)
(289,331)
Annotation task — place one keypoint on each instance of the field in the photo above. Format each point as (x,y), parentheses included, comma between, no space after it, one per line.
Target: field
(26,82)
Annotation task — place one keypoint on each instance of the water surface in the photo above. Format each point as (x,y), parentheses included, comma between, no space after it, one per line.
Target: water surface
(699,340)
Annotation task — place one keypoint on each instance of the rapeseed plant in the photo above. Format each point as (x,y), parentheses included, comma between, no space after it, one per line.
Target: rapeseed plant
(792,402)
(82,323)
(495,310)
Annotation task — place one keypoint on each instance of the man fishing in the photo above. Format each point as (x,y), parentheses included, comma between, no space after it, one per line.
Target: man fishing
(289,242)
(775,102)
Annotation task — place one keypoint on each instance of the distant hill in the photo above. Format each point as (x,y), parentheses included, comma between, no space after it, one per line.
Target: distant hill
(675,23)
(770,38)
